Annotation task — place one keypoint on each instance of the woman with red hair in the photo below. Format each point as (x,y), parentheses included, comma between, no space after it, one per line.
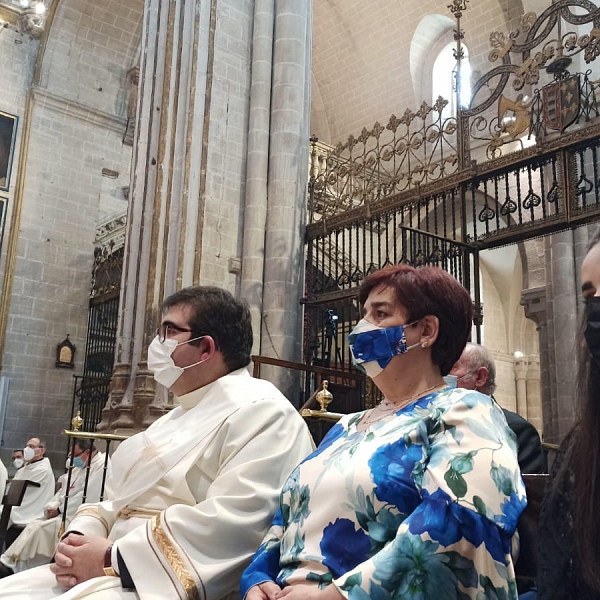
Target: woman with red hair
(416,498)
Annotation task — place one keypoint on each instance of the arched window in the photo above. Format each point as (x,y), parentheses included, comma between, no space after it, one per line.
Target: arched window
(444,76)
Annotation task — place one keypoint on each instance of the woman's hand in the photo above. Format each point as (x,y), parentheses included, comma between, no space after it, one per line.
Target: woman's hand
(309,592)
(263,591)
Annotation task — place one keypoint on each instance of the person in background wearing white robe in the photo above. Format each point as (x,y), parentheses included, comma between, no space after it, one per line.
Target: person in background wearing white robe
(36,545)
(37,468)
(17,460)
(191,497)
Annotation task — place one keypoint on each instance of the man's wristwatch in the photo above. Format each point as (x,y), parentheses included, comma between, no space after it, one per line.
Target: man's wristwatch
(108,569)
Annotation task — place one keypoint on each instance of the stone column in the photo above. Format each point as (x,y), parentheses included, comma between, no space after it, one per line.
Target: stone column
(257,170)
(534,412)
(562,298)
(520,370)
(164,237)
(534,303)
(288,154)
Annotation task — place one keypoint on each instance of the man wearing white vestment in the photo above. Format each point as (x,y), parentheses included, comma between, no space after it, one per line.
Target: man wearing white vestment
(37,468)
(191,497)
(17,459)
(36,544)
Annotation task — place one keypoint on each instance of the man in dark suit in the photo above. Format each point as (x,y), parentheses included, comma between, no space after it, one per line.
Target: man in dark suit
(475,370)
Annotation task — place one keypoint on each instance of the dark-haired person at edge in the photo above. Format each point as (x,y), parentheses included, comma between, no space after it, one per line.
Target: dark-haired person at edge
(191,497)
(417,498)
(569,562)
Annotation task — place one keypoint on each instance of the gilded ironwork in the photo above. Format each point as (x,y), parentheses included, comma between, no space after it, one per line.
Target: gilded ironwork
(107,270)
(423,154)
(518,161)
(561,102)
(411,150)
(324,396)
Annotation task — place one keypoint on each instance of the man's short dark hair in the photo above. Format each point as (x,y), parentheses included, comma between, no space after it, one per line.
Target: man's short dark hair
(215,312)
(85,444)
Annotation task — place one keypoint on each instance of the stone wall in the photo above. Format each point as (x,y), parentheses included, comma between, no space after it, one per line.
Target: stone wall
(74,170)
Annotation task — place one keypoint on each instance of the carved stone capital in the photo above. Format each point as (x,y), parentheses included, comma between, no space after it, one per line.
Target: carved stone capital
(534,302)
(129,411)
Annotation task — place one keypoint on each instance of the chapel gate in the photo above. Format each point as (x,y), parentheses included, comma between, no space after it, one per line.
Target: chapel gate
(428,188)
(91,389)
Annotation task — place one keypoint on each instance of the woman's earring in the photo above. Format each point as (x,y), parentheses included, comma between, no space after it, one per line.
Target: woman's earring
(423,344)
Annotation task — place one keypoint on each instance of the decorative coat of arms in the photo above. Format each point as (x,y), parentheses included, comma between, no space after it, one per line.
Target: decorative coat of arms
(561,102)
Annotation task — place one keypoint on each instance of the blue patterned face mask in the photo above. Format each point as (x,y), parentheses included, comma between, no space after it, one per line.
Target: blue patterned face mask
(374,347)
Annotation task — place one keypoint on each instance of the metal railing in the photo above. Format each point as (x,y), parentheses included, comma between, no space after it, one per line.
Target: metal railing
(74,435)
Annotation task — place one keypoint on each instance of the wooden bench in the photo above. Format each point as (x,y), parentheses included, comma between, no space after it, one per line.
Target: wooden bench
(13,497)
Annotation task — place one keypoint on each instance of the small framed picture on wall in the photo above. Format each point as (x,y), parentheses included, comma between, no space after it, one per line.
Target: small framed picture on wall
(8,135)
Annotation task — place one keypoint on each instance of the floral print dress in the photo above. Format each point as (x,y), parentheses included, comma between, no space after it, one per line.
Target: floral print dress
(421,505)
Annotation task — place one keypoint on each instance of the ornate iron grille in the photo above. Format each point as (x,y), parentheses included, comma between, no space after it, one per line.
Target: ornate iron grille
(92,389)
(524,195)
(89,398)
(410,151)
(414,192)
(584,161)
(337,261)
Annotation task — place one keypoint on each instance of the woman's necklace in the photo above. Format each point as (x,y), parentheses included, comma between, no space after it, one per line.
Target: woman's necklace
(387,407)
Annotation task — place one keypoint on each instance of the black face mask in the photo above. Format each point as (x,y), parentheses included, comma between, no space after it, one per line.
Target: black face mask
(592,329)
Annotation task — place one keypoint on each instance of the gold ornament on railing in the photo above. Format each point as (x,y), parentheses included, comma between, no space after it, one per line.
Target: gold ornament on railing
(324,397)
(77,421)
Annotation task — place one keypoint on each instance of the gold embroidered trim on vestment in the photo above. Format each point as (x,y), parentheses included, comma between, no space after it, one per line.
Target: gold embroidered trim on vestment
(131,511)
(87,510)
(172,557)
(92,511)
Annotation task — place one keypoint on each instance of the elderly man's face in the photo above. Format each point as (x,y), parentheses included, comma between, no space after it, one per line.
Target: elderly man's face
(34,444)
(465,378)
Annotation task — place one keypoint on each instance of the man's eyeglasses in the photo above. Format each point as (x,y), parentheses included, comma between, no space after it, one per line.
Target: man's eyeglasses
(167,330)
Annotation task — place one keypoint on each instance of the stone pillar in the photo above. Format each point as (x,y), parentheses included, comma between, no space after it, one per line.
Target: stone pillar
(211,119)
(520,370)
(166,189)
(534,303)
(257,170)
(564,320)
(556,317)
(534,408)
(288,154)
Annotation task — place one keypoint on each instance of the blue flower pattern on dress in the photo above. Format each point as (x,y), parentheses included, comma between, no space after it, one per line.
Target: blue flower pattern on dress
(344,546)
(421,506)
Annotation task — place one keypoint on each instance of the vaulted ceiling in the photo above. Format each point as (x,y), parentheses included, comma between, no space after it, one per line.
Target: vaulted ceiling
(370,58)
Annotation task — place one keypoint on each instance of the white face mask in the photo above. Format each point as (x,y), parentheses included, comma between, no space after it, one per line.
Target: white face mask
(28,453)
(165,371)
(17,463)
